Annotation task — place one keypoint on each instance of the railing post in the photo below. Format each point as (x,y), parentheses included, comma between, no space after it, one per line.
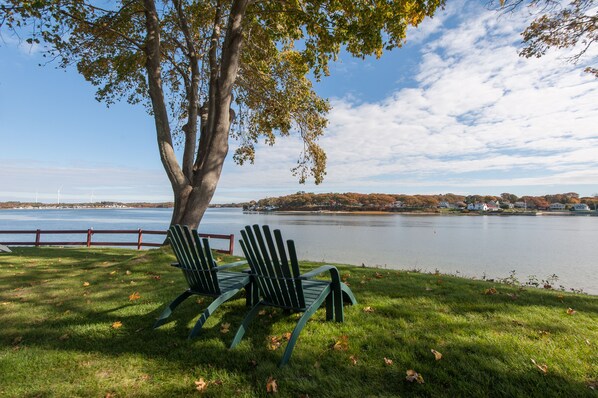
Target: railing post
(37,237)
(139,239)
(89,233)
(231,244)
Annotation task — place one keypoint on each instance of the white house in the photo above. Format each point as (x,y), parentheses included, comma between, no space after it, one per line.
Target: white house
(581,207)
(520,205)
(477,206)
(557,206)
(493,206)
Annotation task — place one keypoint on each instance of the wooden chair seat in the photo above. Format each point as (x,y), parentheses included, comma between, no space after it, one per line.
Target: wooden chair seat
(204,277)
(277,282)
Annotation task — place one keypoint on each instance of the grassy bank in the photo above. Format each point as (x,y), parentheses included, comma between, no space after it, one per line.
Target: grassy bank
(77,322)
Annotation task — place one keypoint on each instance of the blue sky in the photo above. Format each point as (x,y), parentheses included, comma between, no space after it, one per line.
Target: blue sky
(455,110)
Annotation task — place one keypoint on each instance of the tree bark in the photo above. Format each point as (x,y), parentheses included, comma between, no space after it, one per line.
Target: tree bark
(195,186)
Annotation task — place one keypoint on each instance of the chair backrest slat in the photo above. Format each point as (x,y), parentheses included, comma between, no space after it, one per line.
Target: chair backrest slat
(193,261)
(296,271)
(289,284)
(281,293)
(207,262)
(178,244)
(195,257)
(257,263)
(275,279)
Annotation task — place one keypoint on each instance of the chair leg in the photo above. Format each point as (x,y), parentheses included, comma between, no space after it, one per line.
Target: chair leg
(248,318)
(348,294)
(330,307)
(295,335)
(337,297)
(211,308)
(251,295)
(168,310)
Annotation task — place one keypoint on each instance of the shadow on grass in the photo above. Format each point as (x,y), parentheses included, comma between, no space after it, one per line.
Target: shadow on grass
(412,313)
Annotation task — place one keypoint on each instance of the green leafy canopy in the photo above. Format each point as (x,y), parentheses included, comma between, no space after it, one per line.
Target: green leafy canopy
(285,44)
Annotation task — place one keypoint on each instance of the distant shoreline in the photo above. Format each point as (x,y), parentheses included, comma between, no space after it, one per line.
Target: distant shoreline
(132,206)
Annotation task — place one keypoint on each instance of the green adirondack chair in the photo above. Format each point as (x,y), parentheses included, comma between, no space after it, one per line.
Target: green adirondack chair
(278,283)
(203,276)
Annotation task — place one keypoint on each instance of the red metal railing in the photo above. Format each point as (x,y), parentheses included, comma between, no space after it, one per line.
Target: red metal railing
(91,232)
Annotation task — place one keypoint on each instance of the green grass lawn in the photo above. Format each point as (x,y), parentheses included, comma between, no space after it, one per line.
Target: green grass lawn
(59,337)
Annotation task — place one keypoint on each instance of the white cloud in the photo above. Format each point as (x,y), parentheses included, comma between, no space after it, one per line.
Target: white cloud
(478,108)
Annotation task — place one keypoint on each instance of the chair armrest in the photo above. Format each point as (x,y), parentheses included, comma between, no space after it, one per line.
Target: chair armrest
(320,270)
(231,265)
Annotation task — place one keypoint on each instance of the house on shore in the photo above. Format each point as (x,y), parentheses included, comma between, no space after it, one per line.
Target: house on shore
(557,206)
(581,207)
(477,206)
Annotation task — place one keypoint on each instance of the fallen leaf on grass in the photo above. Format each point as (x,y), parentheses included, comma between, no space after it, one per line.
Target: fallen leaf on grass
(353,359)
(113,272)
(588,341)
(387,362)
(428,289)
(134,296)
(64,337)
(368,310)
(156,277)
(117,325)
(342,344)
(224,328)
(109,395)
(199,301)
(560,296)
(85,284)
(201,385)
(271,385)
(128,272)
(437,355)
(412,376)
(543,333)
(512,296)
(262,312)
(593,385)
(490,291)
(17,340)
(570,311)
(274,343)
(378,275)
(543,368)
(286,336)
(345,277)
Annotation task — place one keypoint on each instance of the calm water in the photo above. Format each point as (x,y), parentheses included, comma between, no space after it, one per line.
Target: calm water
(472,246)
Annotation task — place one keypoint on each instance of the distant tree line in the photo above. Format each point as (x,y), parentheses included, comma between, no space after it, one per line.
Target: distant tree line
(400,202)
